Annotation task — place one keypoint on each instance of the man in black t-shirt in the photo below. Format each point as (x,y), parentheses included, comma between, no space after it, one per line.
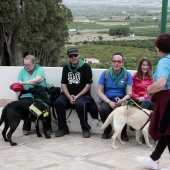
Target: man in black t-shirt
(76,84)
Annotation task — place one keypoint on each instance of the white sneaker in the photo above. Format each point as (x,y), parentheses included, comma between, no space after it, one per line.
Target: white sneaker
(148,162)
(166,168)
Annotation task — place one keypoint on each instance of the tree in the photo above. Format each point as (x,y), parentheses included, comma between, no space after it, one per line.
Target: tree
(120,31)
(38,27)
(100,38)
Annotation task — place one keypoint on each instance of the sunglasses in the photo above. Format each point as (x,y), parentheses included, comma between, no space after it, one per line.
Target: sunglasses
(73,55)
(117,61)
(28,65)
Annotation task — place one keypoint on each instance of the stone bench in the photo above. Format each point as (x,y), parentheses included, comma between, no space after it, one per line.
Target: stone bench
(9,75)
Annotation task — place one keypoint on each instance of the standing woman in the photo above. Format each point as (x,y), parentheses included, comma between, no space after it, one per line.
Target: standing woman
(159,128)
(141,80)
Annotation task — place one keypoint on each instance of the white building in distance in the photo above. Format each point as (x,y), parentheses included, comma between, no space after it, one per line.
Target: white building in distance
(91,60)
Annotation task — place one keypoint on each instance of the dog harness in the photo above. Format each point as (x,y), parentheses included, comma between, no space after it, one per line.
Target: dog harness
(131,102)
(34,110)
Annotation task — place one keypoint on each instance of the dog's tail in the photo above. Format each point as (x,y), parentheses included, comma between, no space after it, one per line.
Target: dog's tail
(107,121)
(3,115)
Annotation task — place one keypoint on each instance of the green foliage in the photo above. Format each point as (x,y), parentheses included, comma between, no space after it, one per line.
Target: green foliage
(83,25)
(100,38)
(150,32)
(119,30)
(62,62)
(7,14)
(131,53)
(42,26)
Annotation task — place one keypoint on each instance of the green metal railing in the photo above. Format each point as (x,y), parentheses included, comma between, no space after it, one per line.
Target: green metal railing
(164,16)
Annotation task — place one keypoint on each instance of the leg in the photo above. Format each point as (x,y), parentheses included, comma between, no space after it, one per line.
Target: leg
(104,112)
(6,126)
(44,123)
(147,104)
(48,124)
(37,129)
(26,127)
(118,128)
(160,147)
(27,124)
(146,134)
(81,109)
(138,135)
(11,131)
(61,104)
(124,135)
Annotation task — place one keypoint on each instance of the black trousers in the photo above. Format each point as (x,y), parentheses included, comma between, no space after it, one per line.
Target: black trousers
(62,104)
(27,124)
(104,111)
(163,142)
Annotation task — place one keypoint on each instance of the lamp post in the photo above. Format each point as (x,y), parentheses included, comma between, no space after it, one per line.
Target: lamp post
(164,16)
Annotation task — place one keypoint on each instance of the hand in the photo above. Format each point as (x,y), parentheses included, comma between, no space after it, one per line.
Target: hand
(73,99)
(119,102)
(21,82)
(112,105)
(141,99)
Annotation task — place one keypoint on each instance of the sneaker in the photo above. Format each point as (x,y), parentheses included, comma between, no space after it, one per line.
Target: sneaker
(26,132)
(148,162)
(124,137)
(86,134)
(62,132)
(166,168)
(105,136)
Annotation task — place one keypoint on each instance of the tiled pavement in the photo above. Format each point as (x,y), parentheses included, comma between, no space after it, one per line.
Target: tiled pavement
(72,152)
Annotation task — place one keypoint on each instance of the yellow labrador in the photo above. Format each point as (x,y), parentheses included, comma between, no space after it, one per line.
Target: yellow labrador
(131,115)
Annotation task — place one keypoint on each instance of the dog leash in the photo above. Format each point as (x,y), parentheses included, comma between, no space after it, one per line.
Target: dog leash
(139,107)
(131,103)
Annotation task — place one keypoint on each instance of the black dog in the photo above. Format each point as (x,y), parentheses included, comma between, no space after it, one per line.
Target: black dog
(17,110)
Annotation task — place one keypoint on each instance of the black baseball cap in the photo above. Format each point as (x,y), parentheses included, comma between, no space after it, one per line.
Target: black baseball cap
(72,51)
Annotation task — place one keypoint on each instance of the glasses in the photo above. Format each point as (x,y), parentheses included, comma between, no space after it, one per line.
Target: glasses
(28,65)
(117,61)
(73,55)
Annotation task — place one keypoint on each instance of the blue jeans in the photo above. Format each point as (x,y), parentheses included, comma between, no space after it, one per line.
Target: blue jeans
(147,104)
(62,103)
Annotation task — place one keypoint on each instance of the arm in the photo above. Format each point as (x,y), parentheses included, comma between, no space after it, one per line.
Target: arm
(126,97)
(135,95)
(66,92)
(103,97)
(157,86)
(36,80)
(84,91)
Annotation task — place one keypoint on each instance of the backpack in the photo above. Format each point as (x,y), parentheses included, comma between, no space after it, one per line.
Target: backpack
(92,108)
(54,93)
(107,75)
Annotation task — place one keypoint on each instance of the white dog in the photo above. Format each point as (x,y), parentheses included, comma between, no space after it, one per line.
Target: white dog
(131,115)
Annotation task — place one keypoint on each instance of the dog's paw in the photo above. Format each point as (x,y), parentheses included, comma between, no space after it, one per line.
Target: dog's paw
(139,143)
(150,146)
(13,144)
(114,147)
(123,143)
